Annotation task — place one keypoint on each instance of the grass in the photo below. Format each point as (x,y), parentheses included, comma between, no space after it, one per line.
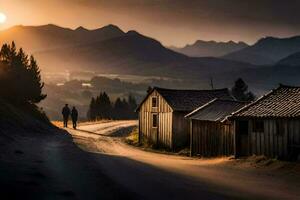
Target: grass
(146,145)
(133,138)
(22,116)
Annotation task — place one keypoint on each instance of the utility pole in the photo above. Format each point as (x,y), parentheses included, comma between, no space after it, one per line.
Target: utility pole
(211,83)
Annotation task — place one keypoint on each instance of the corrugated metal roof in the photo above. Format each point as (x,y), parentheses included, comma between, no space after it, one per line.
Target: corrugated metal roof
(188,100)
(281,102)
(216,110)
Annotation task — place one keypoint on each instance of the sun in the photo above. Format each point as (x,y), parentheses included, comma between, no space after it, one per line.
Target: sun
(2,18)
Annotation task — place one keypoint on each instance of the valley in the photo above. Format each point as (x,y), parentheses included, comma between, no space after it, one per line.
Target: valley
(71,59)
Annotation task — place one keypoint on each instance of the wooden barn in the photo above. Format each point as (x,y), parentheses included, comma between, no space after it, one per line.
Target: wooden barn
(211,133)
(161,114)
(270,126)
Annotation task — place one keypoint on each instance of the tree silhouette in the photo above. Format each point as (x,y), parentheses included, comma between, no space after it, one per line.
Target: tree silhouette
(21,76)
(149,89)
(92,110)
(119,109)
(105,106)
(132,106)
(36,85)
(240,91)
(101,108)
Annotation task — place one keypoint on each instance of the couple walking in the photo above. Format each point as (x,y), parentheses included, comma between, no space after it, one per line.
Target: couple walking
(66,112)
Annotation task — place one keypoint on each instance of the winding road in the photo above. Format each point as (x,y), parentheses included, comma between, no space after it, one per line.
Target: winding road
(149,175)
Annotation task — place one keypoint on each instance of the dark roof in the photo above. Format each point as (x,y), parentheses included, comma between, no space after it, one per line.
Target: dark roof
(281,102)
(188,100)
(216,110)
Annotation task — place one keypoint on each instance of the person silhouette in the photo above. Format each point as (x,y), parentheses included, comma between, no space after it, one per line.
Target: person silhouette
(74,115)
(66,113)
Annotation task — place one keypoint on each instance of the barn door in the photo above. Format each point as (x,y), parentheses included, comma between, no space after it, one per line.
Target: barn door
(242,145)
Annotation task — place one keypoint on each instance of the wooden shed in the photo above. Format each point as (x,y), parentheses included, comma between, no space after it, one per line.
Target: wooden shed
(161,114)
(270,126)
(211,134)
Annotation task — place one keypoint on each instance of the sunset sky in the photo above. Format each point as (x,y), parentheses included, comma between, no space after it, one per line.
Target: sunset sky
(173,22)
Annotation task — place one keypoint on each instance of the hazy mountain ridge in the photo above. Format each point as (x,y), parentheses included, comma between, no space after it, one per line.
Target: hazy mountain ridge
(133,53)
(291,60)
(210,48)
(267,51)
(45,37)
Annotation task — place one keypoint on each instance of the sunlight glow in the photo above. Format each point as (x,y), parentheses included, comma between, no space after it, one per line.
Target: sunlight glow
(2,18)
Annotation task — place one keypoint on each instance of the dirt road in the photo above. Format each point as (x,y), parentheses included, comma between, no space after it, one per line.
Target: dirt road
(157,176)
(46,164)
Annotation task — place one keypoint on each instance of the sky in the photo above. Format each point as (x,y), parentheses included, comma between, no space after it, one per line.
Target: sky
(173,22)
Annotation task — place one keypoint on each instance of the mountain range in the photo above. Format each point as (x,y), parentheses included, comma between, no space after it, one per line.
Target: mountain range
(291,60)
(210,48)
(111,50)
(45,37)
(267,51)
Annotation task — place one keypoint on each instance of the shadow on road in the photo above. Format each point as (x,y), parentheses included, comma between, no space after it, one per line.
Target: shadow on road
(52,166)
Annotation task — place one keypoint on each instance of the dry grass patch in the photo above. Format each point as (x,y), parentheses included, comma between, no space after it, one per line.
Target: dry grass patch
(133,137)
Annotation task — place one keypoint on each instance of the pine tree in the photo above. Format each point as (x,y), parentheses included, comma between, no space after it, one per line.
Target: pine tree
(101,108)
(118,108)
(240,91)
(92,110)
(149,89)
(36,84)
(22,78)
(132,106)
(106,108)
(5,54)
(125,110)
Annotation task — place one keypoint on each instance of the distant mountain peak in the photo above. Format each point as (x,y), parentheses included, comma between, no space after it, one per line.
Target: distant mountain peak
(210,48)
(230,42)
(80,28)
(267,50)
(133,32)
(51,36)
(111,27)
(48,27)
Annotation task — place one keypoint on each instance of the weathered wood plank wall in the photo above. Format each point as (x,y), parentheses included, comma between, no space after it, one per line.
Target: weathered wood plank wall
(181,134)
(211,138)
(162,135)
(276,140)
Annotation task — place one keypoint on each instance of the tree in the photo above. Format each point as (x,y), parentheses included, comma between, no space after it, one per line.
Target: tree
(240,91)
(22,77)
(132,106)
(105,106)
(126,109)
(149,89)
(92,110)
(5,54)
(118,109)
(36,84)
(101,108)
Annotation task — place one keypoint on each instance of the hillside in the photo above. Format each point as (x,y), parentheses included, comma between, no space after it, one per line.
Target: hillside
(291,60)
(135,54)
(265,78)
(210,48)
(267,51)
(39,38)
(22,118)
(109,50)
